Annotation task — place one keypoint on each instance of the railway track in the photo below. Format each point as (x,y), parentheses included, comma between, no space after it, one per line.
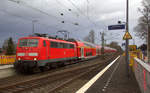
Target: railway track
(23,77)
(47,79)
(54,80)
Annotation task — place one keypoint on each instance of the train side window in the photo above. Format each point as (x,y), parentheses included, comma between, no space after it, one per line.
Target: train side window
(53,44)
(61,45)
(71,46)
(65,45)
(44,43)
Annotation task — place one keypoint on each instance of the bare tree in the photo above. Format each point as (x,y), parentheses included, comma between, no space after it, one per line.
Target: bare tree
(144,21)
(143,28)
(90,37)
(9,46)
(116,46)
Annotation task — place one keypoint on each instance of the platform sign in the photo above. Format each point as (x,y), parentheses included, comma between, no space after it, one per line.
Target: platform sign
(127,36)
(116,27)
(132,47)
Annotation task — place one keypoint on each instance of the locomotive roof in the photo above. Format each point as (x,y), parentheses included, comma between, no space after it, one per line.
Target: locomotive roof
(44,38)
(80,43)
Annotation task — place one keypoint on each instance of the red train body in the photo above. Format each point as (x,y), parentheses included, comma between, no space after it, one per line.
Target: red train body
(33,52)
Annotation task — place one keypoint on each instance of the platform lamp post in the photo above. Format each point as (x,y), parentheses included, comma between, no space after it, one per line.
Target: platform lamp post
(148,43)
(127,40)
(127,45)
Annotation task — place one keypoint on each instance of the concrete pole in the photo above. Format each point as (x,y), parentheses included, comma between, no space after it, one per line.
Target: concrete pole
(133,41)
(127,40)
(148,43)
(33,27)
(102,38)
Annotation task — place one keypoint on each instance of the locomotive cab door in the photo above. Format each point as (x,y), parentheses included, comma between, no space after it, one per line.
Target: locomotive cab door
(82,52)
(45,49)
(48,50)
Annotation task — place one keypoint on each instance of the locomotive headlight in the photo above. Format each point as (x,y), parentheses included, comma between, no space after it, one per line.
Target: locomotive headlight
(33,54)
(19,59)
(35,59)
(21,54)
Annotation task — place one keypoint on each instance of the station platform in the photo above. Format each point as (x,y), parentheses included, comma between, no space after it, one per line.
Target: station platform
(5,66)
(113,80)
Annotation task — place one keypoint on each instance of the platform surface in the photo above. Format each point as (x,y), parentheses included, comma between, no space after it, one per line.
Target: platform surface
(115,80)
(5,66)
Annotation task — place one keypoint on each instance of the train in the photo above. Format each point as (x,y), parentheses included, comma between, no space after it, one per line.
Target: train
(41,52)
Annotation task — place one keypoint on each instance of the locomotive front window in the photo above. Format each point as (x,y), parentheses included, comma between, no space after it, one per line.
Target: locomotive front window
(28,43)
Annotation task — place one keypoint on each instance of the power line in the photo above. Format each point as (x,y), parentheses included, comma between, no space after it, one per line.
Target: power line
(39,10)
(82,13)
(76,7)
(76,14)
(21,17)
(70,10)
(87,8)
(14,15)
(79,9)
(27,19)
(36,9)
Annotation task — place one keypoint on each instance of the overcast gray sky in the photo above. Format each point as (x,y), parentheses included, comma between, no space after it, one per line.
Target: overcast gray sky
(16,17)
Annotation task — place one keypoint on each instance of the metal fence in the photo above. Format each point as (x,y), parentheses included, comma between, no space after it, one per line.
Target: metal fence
(7,59)
(142,74)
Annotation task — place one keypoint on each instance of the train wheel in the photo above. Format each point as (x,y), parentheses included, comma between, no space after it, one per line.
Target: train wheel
(62,64)
(42,69)
(54,65)
(45,68)
(36,70)
(31,71)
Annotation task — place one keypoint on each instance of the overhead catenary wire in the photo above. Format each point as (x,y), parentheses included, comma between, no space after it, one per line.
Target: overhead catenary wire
(83,13)
(76,14)
(18,16)
(76,7)
(23,18)
(39,10)
(36,9)
(87,8)
(29,20)
(77,10)
(45,13)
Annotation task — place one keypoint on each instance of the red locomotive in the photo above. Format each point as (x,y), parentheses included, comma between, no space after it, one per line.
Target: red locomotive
(39,52)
